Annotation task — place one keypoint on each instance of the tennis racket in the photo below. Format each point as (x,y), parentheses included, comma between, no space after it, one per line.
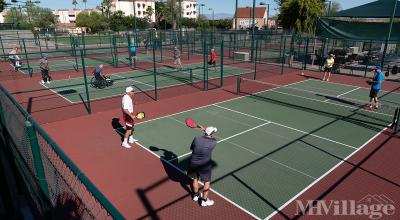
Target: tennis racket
(192,124)
(140,115)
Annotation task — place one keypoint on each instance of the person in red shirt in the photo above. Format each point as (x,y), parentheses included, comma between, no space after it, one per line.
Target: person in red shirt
(213,57)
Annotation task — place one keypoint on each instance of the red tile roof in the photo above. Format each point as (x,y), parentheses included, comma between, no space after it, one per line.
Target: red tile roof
(248,12)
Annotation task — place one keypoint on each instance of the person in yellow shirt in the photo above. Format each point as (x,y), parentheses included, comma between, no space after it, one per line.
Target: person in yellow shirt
(328,65)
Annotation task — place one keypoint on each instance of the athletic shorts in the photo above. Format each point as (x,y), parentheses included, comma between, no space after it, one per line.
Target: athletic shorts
(211,62)
(128,121)
(177,61)
(373,93)
(200,171)
(13,62)
(327,69)
(133,54)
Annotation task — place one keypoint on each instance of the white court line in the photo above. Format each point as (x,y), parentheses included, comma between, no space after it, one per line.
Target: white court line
(184,173)
(342,94)
(245,131)
(121,77)
(353,86)
(57,93)
(205,106)
(331,103)
(321,177)
(281,125)
(246,149)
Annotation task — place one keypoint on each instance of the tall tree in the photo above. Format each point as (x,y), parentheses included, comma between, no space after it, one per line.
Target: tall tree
(74,2)
(106,7)
(335,7)
(84,2)
(2,5)
(301,15)
(42,17)
(149,13)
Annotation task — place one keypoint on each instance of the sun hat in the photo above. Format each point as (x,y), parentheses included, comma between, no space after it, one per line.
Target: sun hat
(129,89)
(210,130)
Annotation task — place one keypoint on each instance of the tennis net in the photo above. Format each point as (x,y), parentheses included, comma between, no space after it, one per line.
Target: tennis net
(350,105)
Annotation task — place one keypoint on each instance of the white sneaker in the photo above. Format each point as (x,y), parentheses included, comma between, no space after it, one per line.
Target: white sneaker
(197,196)
(207,202)
(126,145)
(132,140)
(42,81)
(48,82)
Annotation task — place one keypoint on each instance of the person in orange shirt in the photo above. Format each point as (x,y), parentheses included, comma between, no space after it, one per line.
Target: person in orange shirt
(213,57)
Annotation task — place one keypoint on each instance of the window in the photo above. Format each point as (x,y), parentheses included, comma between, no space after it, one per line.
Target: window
(144,5)
(187,6)
(194,5)
(139,12)
(187,13)
(71,16)
(194,12)
(138,5)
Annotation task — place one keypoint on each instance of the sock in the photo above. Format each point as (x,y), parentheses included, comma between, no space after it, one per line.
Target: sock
(125,140)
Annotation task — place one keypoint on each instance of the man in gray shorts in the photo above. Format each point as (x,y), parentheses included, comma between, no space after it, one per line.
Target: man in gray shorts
(201,164)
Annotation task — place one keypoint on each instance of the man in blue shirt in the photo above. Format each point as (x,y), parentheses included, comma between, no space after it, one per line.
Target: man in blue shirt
(98,72)
(132,51)
(201,164)
(376,85)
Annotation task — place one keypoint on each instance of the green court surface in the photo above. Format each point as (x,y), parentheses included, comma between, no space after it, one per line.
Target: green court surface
(273,145)
(73,89)
(69,63)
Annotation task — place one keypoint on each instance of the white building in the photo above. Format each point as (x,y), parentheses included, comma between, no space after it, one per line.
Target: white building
(189,9)
(66,16)
(140,6)
(2,17)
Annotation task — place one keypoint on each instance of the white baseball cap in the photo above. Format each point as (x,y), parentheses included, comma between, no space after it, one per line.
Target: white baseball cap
(129,89)
(210,130)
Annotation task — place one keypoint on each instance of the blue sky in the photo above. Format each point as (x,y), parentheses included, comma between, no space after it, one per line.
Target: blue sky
(220,6)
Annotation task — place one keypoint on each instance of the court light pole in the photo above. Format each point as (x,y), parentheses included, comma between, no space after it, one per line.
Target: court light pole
(389,32)
(253,29)
(211,9)
(236,24)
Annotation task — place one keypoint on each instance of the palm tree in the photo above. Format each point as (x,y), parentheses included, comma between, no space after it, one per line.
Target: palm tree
(74,2)
(84,2)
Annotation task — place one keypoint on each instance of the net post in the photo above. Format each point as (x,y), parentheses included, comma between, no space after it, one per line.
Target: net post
(222,63)
(37,158)
(89,109)
(155,73)
(238,81)
(40,45)
(283,55)
(191,75)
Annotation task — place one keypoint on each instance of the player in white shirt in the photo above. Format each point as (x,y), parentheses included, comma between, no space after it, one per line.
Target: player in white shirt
(127,111)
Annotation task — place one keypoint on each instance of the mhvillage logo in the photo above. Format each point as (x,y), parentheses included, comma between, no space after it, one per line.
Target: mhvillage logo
(373,206)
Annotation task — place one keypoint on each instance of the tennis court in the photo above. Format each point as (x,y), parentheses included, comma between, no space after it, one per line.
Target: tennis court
(274,141)
(69,63)
(73,89)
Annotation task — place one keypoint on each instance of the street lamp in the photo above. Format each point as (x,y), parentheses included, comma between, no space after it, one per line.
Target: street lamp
(210,9)
(200,5)
(254,27)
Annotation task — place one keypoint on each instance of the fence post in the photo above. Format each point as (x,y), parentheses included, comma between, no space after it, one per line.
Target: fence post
(2,48)
(255,61)
(129,48)
(306,54)
(283,54)
(27,59)
(238,85)
(85,80)
(222,63)
(396,123)
(155,73)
